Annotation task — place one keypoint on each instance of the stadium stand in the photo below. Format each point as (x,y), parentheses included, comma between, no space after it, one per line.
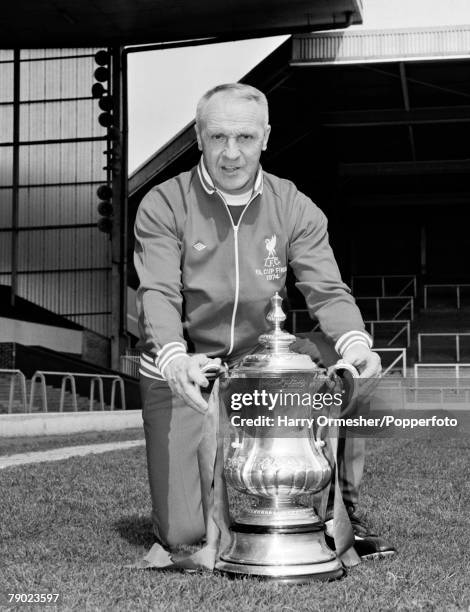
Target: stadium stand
(392,181)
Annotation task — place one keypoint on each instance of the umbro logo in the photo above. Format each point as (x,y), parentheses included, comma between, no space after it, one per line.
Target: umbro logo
(199,246)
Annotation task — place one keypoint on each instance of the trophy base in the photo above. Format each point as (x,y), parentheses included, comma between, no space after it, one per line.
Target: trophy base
(282,557)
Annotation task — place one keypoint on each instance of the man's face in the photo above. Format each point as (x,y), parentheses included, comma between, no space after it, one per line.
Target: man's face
(232,134)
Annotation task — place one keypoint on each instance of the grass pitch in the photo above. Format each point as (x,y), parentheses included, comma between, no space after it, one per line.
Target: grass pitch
(69,527)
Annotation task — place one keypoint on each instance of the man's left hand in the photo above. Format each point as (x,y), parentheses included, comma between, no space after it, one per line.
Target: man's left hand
(364,360)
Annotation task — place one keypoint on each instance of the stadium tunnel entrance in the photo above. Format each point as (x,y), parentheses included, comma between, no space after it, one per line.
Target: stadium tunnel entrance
(377,134)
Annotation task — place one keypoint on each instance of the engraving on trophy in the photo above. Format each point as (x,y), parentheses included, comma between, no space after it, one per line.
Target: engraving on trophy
(234,463)
(278,463)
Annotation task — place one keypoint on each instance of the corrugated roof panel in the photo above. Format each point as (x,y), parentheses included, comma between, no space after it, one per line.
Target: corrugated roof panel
(6,123)
(34,288)
(58,205)
(100,246)
(65,248)
(79,292)
(56,79)
(68,292)
(43,250)
(33,84)
(6,165)
(6,82)
(351,46)
(5,279)
(5,252)
(76,162)
(35,54)
(101,324)
(5,209)
(62,163)
(6,55)
(60,120)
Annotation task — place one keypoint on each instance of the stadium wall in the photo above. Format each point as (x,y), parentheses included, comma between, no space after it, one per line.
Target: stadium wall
(48,196)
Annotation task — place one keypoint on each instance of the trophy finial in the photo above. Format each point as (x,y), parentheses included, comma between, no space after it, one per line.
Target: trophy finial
(276,314)
(277,340)
(275,355)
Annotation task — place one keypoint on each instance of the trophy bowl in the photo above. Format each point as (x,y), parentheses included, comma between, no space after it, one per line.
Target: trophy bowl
(275,455)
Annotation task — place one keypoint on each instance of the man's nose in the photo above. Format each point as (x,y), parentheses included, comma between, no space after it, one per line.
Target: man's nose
(231,149)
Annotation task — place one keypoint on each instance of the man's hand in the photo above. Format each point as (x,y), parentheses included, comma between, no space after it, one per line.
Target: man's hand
(185,377)
(364,360)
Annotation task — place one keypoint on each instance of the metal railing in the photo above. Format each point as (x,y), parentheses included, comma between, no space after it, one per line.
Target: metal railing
(129,365)
(456,335)
(407,303)
(409,284)
(457,288)
(456,369)
(16,375)
(443,394)
(420,390)
(400,357)
(96,380)
(405,328)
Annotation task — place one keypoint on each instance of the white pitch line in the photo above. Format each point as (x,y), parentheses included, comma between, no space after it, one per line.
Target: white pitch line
(58,454)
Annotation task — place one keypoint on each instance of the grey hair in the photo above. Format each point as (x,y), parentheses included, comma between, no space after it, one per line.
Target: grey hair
(240,90)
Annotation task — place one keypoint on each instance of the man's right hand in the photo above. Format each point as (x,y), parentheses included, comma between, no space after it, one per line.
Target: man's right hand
(185,377)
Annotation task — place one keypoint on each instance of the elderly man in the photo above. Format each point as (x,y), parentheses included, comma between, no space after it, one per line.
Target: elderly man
(202,241)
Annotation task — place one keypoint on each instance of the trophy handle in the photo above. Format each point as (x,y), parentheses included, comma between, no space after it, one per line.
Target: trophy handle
(341,366)
(349,374)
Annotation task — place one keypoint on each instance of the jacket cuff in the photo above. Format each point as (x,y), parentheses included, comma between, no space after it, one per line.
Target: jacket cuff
(352,337)
(167,353)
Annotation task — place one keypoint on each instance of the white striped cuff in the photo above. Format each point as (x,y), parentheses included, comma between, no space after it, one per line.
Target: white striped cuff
(148,367)
(349,338)
(167,353)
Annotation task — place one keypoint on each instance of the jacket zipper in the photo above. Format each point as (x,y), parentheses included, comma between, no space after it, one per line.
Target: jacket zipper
(237,286)
(237,269)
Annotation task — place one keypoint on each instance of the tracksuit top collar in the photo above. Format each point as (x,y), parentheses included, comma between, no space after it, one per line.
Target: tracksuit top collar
(210,188)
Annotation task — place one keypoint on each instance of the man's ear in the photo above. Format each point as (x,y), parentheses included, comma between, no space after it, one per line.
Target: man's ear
(198,136)
(267,131)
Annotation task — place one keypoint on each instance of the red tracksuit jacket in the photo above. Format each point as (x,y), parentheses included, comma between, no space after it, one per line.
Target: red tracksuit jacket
(206,283)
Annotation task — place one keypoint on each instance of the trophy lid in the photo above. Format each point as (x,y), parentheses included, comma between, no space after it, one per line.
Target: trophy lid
(275,355)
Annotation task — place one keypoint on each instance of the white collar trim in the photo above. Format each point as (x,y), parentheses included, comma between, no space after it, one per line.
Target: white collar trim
(209,186)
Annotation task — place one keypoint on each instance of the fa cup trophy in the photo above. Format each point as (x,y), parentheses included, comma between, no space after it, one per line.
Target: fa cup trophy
(276,454)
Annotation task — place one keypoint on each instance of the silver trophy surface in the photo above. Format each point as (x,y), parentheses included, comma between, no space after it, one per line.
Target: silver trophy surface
(275,456)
